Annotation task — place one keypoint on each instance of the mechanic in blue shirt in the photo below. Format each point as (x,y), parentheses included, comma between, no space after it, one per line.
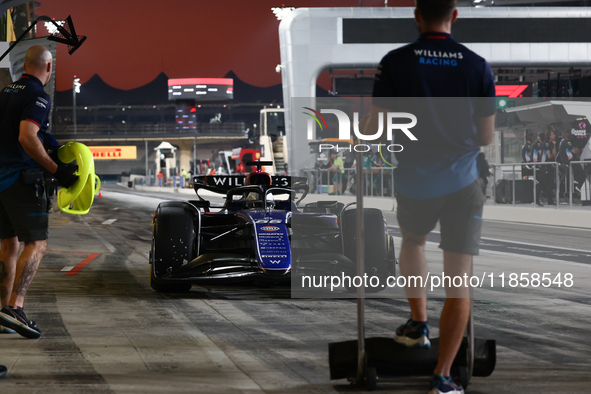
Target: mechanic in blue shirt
(438,175)
(541,153)
(24,111)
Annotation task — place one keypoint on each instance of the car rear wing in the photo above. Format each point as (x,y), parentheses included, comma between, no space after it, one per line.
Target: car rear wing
(223,183)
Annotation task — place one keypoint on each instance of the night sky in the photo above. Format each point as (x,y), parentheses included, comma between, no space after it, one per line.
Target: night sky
(130,42)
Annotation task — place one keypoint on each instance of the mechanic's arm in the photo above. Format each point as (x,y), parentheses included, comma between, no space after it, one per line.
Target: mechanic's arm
(485,130)
(33,146)
(550,154)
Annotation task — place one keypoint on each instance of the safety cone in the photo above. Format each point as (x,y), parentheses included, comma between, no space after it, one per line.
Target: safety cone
(100,194)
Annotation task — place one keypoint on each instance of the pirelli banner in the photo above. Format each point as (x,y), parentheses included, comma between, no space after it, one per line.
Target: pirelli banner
(114,152)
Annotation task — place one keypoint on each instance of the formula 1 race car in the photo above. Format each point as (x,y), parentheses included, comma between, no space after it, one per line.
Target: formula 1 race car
(260,234)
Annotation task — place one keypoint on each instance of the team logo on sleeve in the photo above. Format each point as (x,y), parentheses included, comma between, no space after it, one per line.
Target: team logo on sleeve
(41,102)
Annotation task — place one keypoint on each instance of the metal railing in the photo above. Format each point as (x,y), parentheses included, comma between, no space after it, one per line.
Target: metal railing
(172,182)
(538,177)
(559,177)
(377,181)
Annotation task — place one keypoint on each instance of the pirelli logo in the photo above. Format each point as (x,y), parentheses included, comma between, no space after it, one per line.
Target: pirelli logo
(114,152)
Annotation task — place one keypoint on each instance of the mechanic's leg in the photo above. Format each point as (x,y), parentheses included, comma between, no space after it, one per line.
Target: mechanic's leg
(456,311)
(412,263)
(26,268)
(8,257)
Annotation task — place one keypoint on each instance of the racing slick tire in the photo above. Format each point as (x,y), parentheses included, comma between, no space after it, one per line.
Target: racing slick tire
(391,257)
(173,245)
(377,243)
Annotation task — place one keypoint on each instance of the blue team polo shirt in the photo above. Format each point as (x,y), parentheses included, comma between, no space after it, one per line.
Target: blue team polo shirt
(24,99)
(443,160)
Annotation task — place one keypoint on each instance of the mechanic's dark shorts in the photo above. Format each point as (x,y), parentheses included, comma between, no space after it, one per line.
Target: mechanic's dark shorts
(459,214)
(23,212)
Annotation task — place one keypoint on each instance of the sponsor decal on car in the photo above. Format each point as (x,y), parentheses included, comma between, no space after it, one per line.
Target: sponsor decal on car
(269,228)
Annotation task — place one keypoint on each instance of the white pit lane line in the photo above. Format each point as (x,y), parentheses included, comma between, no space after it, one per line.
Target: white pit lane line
(107,244)
(483,252)
(517,243)
(110,221)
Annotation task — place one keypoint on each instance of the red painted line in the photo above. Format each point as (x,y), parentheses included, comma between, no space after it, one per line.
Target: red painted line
(82,264)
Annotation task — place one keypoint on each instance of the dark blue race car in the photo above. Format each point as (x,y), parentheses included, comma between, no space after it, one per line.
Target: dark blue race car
(261,234)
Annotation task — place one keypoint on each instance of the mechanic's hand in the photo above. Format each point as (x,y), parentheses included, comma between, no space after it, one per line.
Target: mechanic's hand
(65,175)
(53,155)
(485,171)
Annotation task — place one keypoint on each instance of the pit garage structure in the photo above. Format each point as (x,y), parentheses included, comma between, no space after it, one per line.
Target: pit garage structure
(316,39)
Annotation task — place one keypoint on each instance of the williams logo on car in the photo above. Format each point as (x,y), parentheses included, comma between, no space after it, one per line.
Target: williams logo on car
(269,228)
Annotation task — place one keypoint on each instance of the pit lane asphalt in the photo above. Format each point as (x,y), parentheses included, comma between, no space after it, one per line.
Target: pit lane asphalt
(106,331)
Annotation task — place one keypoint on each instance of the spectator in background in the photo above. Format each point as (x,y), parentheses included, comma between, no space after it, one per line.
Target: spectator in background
(338,167)
(375,160)
(186,176)
(526,155)
(551,154)
(551,144)
(376,164)
(368,161)
(568,152)
(539,154)
(350,177)
(367,164)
